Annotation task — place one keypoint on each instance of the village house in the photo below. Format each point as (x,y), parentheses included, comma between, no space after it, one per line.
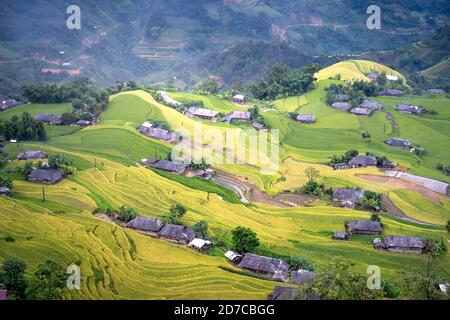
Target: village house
(177,233)
(200,245)
(369,104)
(170,166)
(388,164)
(239,99)
(363,227)
(361,111)
(283,293)
(302,277)
(399,143)
(51,119)
(373,76)
(407,244)
(201,113)
(158,134)
(344,106)
(338,235)
(237,116)
(145,225)
(32,155)
(9,103)
(168,100)
(233,256)
(408,108)
(363,161)
(347,198)
(391,93)
(4,191)
(435,91)
(306,118)
(378,244)
(274,268)
(45,176)
(83,123)
(258,126)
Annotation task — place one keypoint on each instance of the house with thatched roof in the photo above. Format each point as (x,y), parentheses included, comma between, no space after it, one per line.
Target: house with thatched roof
(170,166)
(347,198)
(158,133)
(391,93)
(83,123)
(409,108)
(32,155)
(233,256)
(407,244)
(145,225)
(45,176)
(378,244)
(283,293)
(52,119)
(363,161)
(302,277)
(258,126)
(306,118)
(238,98)
(274,268)
(344,106)
(237,116)
(201,113)
(363,227)
(200,245)
(4,191)
(369,104)
(361,111)
(177,233)
(338,235)
(9,103)
(399,143)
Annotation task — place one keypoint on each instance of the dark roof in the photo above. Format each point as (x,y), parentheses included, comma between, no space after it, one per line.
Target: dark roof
(341,106)
(170,166)
(157,133)
(361,111)
(45,176)
(306,118)
(177,232)
(303,277)
(371,104)
(263,264)
(9,103)
(145,224)
(31,155)
(365,225)
(400,143)
(43,117)
(403,242)
(363,161)
(409,108)
(237,115)
(284,293)
(391,92)
(339,235)
(4,190)
(257,126)
(83,122)
(350,196)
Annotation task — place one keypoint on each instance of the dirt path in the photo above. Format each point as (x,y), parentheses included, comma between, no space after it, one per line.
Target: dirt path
(402,184)
(259,196)
(388,206)
(297,199)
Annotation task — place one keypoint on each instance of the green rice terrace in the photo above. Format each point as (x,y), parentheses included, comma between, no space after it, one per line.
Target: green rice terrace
(107,173)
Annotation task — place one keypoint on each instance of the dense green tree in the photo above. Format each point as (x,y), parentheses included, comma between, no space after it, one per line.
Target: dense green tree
(244,240)
(201,229)
(47,282)
(14,277)
(6,182)
(126,213)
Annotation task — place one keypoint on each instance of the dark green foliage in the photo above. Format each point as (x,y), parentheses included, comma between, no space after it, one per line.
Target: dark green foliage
(371,201)
(10,239)
(244,240)
(390,289)
(209,86)
(201,229)
(299,262)
(23,128)
(47,282)
(26,168)
(6,182)
(175,213)
(282,82)
(13,275)
(126,213)
(448,226)
(344,159)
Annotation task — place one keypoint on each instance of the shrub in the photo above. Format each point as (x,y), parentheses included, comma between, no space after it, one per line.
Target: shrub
(201,229)
(244,240)
(126,214)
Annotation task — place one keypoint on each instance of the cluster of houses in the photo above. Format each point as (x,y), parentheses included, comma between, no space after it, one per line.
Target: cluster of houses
(366,161)
(177,168)
(54,119)
(409,108)
(42,176)
(154,131)
(178,234)
(398,244)
(366,108)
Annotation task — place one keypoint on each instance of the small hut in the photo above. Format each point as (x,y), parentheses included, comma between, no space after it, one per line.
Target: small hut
(363,227)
